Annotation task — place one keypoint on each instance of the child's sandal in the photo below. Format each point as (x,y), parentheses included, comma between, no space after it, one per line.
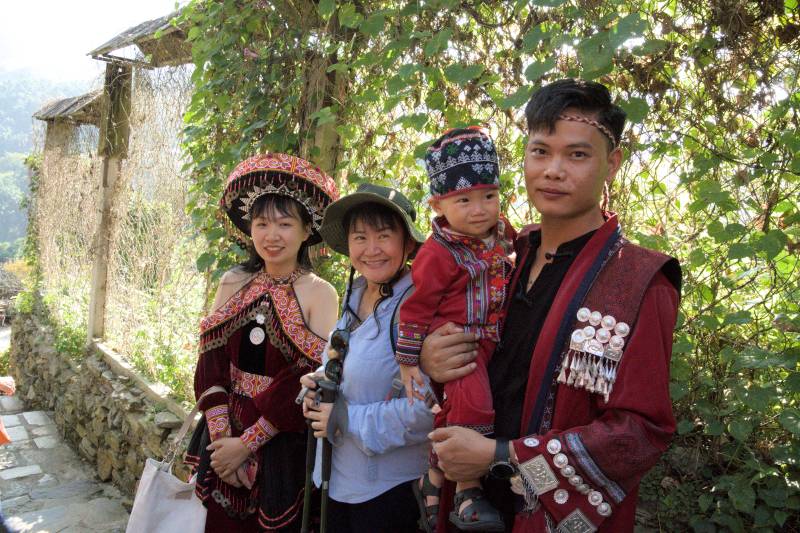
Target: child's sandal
(479,515)
(428,514)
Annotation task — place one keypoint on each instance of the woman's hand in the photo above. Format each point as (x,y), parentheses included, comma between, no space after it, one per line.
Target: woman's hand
(231,480)
(227,454)
(318,415)
(447,353)
(7,385)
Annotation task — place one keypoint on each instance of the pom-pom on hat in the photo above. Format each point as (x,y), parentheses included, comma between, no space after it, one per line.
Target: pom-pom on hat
(460,160)
(280,174)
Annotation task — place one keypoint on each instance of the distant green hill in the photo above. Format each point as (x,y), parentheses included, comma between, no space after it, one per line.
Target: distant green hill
(21,94)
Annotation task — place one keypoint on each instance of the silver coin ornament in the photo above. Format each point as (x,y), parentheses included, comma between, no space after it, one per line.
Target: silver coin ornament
(257,336)
(604,509)
(583,488)
(575,480)
(561,496)
(568,471)
(608,322)
(595,498)
(622,329)
(595,317)
(583,314)
(603,335)
(616,342)
(560,460)
(553,446)
(589,332)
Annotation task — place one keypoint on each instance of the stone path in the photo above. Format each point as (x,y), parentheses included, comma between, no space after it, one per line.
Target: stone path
(44,485)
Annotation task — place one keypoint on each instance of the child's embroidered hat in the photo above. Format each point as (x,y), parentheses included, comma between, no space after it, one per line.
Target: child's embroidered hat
(462,159)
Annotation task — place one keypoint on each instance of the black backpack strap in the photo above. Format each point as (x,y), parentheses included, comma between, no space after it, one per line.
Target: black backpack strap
(394,329)
(394,332)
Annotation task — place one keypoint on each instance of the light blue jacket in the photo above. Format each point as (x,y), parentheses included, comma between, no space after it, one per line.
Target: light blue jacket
(386,442)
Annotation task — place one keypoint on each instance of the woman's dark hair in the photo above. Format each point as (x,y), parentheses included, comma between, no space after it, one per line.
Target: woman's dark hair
(270,206)
(377,217)
(374,215)
(590,97)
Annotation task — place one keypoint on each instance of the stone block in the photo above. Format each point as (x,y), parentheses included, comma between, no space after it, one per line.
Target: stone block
(20,472)
(167,420)
(104,465)
(17,433)
(46,442)
(37,418)
(43,431)
(10,404)
(87,448)
(10,421)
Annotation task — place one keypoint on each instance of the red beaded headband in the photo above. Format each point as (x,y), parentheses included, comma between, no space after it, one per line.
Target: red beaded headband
(580,118)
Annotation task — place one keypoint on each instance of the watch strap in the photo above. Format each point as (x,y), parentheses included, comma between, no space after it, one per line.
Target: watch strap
(501,454)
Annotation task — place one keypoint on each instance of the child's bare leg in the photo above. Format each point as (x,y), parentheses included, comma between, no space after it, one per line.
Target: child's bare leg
(437,479)
(464,485)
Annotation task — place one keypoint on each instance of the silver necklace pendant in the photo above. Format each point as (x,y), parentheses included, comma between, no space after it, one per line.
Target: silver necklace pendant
(257,336)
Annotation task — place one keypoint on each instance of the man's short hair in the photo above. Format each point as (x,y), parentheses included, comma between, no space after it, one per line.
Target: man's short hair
(589,97)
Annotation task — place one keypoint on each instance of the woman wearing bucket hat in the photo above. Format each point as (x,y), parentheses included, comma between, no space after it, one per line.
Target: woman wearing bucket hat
(268,326)
(381,440)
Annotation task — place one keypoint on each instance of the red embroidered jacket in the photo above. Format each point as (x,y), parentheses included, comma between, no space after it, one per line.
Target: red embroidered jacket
(587,456)
(457,279)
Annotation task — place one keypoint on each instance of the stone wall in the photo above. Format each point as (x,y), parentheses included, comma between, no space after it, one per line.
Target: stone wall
(112,417)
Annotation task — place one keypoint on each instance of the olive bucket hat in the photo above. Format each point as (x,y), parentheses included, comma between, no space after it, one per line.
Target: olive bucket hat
(335,234)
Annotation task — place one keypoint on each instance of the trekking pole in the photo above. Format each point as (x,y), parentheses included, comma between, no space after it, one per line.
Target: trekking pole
(327,390)
(311,454)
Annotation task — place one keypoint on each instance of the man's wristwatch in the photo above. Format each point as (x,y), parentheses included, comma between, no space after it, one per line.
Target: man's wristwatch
(502,467)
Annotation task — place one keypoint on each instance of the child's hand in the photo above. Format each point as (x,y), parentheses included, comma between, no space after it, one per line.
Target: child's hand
(7,385)
(411,375)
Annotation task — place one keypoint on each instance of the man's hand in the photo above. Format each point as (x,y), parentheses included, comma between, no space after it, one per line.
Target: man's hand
(464,454)
(448,352)
(227,454)
(7,385)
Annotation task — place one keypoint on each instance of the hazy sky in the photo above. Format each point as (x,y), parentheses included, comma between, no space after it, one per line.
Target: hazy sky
(50,38)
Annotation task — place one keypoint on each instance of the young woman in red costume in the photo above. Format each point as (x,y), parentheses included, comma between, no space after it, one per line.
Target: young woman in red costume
(268,326)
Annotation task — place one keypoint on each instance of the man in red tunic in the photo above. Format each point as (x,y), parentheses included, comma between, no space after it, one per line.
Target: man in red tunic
(580,379)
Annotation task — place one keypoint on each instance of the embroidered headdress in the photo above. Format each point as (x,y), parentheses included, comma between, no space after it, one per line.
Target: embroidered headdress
(281,174)
(462,159)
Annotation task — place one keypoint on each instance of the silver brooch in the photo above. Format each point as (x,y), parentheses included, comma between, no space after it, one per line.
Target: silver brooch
(595,350)
(257,336)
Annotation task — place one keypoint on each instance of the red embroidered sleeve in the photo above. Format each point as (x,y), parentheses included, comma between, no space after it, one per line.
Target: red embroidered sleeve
(581,475)
(432,272)
(218,422)
(258,434)
(276,402)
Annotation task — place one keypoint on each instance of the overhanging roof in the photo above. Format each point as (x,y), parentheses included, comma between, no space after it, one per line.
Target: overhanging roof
(169,48)
(84,109)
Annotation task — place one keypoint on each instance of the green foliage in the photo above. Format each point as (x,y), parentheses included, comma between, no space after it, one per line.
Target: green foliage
(713,175)
(4,362)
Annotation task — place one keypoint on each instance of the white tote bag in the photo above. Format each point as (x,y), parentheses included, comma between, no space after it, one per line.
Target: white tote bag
(164,503)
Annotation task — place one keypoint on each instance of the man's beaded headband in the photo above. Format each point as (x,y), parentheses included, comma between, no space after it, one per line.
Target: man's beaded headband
(603,129)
